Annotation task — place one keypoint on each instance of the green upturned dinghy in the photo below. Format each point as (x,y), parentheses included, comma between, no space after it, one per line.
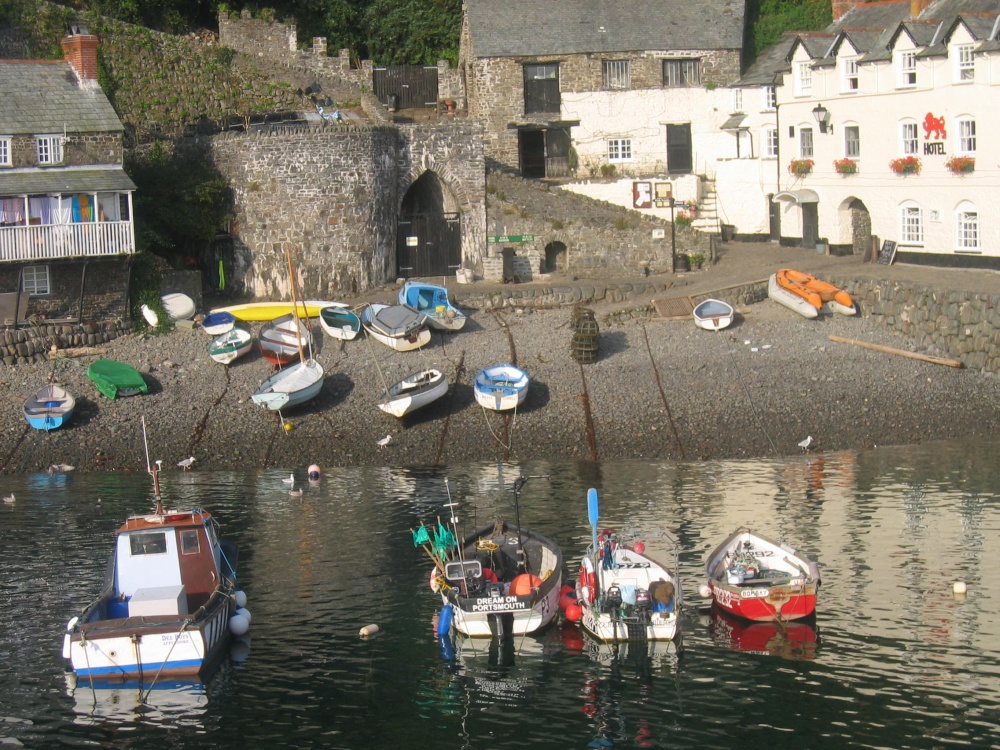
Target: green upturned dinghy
(115,379)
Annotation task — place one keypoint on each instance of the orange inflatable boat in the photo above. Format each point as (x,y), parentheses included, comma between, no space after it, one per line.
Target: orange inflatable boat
(807,295)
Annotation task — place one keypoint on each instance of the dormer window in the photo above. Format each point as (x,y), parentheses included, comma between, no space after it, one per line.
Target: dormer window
(803,78)
(48,149)
(849,81)
(908,68)
(965,63)
(770,95)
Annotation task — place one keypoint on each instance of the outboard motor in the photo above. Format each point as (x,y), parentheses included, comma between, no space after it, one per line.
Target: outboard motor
(643,603)
(612,599)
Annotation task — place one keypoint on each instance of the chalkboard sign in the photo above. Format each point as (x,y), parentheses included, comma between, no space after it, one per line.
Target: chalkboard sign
(888,253)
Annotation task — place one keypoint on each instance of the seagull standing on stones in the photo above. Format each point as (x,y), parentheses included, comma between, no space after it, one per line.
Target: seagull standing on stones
(186,463)
(384,442)
(808,443)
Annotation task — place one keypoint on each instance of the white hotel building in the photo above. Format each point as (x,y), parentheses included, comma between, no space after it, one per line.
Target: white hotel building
(888,118)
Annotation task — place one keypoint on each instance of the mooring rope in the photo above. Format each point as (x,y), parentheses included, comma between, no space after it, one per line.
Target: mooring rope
(510,433)
(165,659)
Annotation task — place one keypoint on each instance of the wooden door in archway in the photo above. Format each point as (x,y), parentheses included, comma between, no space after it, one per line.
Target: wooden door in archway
(428,245)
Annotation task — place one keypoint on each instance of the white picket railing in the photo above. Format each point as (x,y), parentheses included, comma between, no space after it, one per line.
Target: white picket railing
(52,241)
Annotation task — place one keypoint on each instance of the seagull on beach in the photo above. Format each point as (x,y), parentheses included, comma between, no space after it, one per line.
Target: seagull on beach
(10,499)
(290,480)
(384,442)
(808,443)
(186,463)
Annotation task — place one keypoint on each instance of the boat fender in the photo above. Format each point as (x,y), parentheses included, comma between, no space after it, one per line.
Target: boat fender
(240,598)
(67,640)
(244,612)
(368,630)
(444,620)
(434,582)
(447,648)
(238,625)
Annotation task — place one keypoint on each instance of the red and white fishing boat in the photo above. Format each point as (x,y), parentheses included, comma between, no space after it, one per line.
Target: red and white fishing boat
(762,580)
(168,605)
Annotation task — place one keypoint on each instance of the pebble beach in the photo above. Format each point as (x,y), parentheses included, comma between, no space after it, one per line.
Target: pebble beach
(660,389)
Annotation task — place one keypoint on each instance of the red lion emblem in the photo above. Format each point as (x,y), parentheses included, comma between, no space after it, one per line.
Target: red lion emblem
(934,125)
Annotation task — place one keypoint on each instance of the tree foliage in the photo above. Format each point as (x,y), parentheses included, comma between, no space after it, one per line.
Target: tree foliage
(769,19)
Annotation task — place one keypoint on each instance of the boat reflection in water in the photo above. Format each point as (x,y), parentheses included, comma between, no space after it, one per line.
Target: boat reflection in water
(796,640)
(169,703)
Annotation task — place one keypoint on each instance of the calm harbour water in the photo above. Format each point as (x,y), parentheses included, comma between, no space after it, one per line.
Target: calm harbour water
(893,660)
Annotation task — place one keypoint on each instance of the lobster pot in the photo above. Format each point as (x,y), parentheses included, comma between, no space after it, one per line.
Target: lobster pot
(586,335)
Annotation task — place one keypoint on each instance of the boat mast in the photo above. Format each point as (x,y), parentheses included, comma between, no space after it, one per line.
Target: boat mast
(295,305)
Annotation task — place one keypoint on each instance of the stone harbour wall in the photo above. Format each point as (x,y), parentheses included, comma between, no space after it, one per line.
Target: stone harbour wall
(32,344)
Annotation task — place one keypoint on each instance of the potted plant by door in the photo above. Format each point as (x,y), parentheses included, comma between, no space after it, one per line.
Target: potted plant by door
(696,259)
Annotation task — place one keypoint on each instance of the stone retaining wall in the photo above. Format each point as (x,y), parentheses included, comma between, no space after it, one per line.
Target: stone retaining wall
(33,343)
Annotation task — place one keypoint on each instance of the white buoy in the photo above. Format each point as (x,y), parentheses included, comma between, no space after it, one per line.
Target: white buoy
(959,587)
(238,625)
(705,590)
(244,612)
(240,598)
(368,631)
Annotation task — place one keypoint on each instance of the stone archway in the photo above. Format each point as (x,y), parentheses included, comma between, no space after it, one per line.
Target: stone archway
(429,230)
(556,257)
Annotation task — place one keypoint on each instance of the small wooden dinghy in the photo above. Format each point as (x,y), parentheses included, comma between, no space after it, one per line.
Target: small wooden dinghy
(282,339)
(340,322)
(399,327)
(432,300)
(230,346)
(713,314)
(49,407)
(215,324)
(759,579)
(807,295)
(501,387)
(623,593)
(413,392)
(115,379)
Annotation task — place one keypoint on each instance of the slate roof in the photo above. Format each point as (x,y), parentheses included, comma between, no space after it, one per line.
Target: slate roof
(67,180)
(509,28)
(41,96)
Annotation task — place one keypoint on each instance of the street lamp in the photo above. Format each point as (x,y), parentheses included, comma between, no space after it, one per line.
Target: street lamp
(822,115)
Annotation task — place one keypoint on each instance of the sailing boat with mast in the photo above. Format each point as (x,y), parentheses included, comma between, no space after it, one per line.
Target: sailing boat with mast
(296,384)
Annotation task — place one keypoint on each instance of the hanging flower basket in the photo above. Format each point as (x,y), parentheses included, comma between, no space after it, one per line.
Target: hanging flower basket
(961,164)
(906,165)
(800,167)
(845,166)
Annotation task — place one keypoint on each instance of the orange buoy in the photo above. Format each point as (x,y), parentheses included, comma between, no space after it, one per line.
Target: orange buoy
(524,584)
(574,612)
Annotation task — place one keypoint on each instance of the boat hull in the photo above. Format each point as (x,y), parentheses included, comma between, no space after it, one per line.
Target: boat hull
(283,339)
(142,647)
(502,608)
(412,335)
(261,312)
(762,580)
(216,324)
(713,315)
(339,322)
(414,392)
(432,300)
(290,387)
(501,387)
(230,346)
(789,299)
(805,293)
(49,408)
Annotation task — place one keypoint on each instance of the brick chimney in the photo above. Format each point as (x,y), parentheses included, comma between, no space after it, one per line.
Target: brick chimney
(841,7)
(80,51)
(917,7)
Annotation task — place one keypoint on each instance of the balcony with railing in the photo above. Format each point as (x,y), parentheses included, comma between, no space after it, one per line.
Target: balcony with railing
(75,240)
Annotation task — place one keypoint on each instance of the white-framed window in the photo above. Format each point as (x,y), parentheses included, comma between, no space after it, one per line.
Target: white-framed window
(852,141)
(769,95)
(35,280)
(5,151)
(737,100)
(619,150)
(967,227)
(849,70)
(803,78)
(965,142)
(911,224)
(909,141)
(49,149)
(678,73)
(769,142)
(616,74)
(805,143)
(908,68)
(965,62)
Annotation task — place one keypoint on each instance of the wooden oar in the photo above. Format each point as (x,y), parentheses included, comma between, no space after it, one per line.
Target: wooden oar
(901,352)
